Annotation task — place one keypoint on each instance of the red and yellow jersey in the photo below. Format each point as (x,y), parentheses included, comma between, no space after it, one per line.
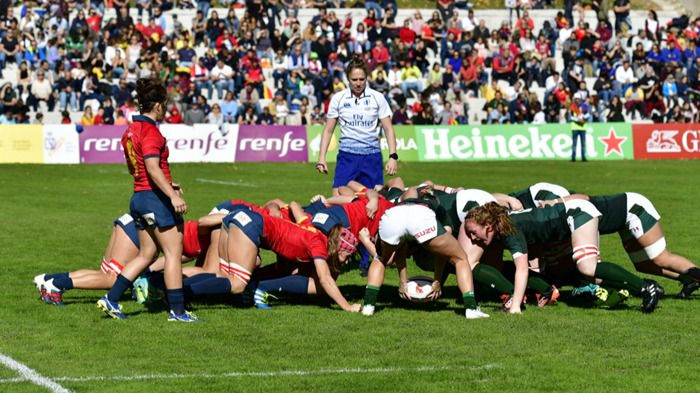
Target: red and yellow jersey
(357,214)
(293,242)
(194,243)
(140,141)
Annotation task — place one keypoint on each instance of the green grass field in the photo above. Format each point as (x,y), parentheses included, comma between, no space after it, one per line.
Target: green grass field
(58,218)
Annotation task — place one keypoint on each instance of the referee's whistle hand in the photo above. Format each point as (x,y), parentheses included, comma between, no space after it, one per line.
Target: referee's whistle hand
(391,167)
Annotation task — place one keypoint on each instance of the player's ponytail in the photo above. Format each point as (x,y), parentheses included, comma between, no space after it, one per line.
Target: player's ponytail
(149,92)
(333,248)
(494,215)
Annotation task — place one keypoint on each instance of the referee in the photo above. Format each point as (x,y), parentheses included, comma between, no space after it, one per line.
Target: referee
(359,110)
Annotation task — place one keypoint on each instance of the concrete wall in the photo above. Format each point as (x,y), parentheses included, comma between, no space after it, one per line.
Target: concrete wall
(692,6)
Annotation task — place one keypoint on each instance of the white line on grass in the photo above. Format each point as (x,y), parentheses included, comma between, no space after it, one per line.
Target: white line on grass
(31,375)
(224,182)
(281,373)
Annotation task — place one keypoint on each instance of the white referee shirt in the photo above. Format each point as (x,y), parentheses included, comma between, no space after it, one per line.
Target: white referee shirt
(358,118)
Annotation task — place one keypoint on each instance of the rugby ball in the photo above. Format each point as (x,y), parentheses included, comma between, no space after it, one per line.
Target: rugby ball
(418,288)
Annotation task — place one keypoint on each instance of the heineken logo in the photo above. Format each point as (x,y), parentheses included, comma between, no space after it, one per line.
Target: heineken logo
(490,142)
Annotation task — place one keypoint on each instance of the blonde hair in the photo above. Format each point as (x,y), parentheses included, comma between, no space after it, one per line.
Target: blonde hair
(494,215)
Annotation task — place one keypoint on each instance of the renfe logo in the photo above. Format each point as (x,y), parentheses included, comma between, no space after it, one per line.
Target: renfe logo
(102,144)
(271,143)
(200,143)
(283,145)
(213,141)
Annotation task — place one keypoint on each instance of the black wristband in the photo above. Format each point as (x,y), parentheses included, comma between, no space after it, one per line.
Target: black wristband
(394,156)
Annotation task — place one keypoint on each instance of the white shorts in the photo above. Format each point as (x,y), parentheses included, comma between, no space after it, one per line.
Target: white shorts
(579,212)
(641,214)
(409,221)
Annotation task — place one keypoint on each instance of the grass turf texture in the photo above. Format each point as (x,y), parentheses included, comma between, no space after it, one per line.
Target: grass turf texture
(57,218)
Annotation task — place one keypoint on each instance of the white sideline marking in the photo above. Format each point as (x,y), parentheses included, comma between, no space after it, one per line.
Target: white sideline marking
(224,182)
(30,375)
(282,373)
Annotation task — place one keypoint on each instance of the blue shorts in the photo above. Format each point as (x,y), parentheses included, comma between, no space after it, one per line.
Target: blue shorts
(228,206)
(153,209)
(129,226)
(367,169)
(250,222)
(314,207)
(324,220)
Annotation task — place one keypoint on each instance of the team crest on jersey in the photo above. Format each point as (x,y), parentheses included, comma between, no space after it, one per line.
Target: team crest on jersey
(320,218)
(242,218)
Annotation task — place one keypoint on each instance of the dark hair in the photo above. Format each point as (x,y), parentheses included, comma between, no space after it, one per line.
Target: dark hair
(357,61)
(150,92)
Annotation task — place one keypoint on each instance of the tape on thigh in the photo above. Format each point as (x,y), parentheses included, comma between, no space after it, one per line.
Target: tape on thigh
(656,249)
(585,252)
(223,266)
(239,272)
(111,266)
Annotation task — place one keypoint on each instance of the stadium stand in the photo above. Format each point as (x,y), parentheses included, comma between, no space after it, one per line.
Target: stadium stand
(281,66)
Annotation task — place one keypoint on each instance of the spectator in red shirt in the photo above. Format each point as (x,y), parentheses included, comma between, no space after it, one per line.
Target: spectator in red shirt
(227,40)
(525,22)
(503,65)
(380,54)
(94,21)
(406,34)
(174,116)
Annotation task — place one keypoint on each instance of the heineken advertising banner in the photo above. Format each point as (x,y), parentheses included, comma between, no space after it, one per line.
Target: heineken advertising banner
(406,144)
(604,141)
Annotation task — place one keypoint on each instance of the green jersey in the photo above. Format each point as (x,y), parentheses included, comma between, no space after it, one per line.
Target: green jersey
(530,196)
(614,212)
(392,194)
(543,225)
(457,205)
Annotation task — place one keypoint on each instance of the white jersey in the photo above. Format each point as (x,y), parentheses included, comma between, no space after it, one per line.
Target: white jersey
(544,191)
(469,199)
(358,118)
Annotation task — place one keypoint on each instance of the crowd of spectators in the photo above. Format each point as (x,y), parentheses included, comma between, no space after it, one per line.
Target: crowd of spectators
(66,55)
